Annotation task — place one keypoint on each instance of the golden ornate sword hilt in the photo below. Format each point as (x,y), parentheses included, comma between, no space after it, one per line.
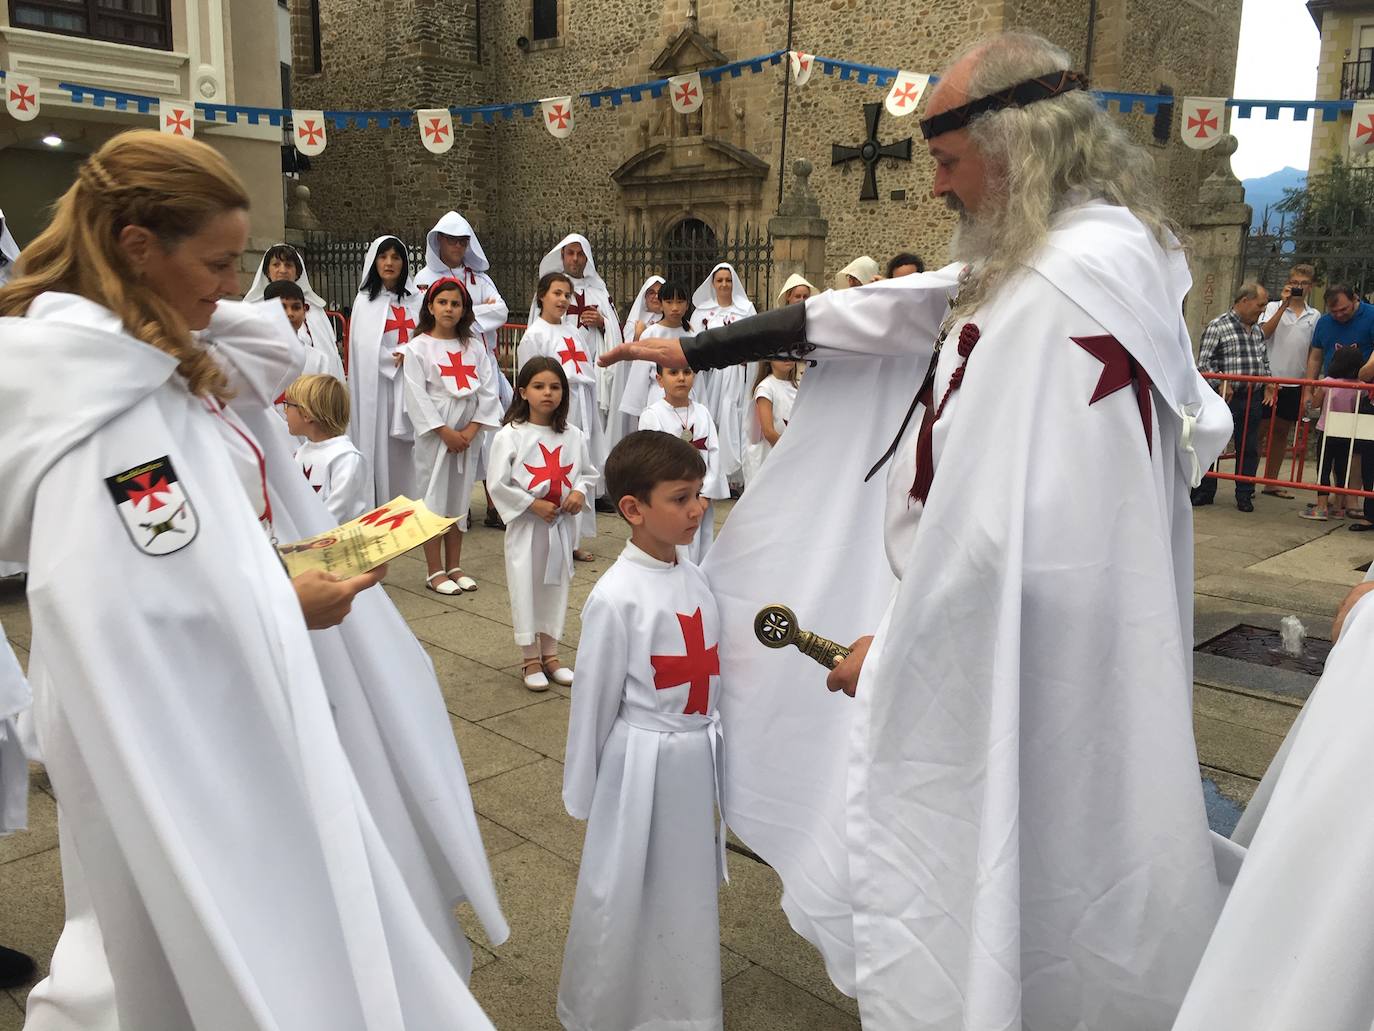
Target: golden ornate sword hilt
(776,627)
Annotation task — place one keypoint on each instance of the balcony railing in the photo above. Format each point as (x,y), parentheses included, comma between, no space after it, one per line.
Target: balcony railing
(1357,80)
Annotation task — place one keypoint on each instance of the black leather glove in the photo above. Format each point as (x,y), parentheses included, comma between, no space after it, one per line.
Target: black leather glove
(780,333)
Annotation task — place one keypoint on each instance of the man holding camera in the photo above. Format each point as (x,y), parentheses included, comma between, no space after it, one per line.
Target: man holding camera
(1287,324)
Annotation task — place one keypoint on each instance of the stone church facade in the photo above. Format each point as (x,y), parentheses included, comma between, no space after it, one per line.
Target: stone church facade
(641,165)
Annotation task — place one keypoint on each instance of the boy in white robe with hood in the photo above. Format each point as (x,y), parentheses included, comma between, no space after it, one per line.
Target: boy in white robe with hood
(1010,832)
(283,261)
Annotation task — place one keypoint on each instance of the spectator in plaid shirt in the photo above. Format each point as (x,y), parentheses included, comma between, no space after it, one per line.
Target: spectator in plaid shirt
(1233,343)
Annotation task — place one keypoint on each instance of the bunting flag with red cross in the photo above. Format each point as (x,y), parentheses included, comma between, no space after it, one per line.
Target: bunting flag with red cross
(558,116)
(436,129)
(686,92)
(21,96)
(1362,127)
(803,64)
(177,118)
(308,132)
(905,94)
(1203,122)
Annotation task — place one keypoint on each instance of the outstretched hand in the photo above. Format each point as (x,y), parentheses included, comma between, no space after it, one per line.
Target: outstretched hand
(665,351)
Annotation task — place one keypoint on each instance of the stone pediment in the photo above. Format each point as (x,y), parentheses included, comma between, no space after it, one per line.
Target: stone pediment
(688,51)
(689,159)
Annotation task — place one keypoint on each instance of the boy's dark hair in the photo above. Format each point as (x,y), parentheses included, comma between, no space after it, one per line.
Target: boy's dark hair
(283,288)
(545,281)
(1346,363)
(372,283)
(282,252)
(658,370)
(465,321)
(519,410)
(644,459)
(905,258)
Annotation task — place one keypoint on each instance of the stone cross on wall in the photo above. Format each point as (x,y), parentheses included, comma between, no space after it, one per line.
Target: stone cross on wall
(870,151)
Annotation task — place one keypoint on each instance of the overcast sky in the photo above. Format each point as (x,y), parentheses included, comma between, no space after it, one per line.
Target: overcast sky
(1278,60)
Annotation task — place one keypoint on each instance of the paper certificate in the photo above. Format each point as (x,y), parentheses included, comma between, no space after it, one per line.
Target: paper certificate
(366,542)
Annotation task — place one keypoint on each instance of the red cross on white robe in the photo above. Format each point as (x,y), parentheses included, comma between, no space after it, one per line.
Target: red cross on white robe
(572,353)
(553,472)
(695,668)
(317,486)
(1119,370)
(462,374)
(401,322)
(579,305)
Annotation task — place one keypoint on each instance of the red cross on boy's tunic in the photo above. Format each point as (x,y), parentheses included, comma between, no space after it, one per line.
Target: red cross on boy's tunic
(553,472)
(401,322)
(461,374)
(695,668)
(572,353)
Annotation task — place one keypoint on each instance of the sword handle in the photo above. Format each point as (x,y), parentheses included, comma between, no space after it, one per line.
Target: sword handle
(775,626)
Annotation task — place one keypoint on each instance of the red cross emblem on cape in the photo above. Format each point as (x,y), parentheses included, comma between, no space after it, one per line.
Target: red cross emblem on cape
(553,472)
(401,322)
(462,374)
(579,305)
(1119,370)
(694,669)
(155,510)
(572,353)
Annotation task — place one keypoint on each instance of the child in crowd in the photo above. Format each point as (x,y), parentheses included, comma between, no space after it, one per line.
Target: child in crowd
(678,414)
(775,391)
(1345,365)
(643,949)
(566,344)
(641,386)
(321,356)
(540,475)
(450,398)
(317,409)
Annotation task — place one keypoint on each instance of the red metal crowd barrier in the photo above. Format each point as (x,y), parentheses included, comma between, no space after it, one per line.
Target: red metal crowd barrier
(1356,435)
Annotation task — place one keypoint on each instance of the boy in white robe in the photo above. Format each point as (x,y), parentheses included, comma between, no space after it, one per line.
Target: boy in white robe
(321,355)
(643,949)
(678,414)
(317,409)
(283,263)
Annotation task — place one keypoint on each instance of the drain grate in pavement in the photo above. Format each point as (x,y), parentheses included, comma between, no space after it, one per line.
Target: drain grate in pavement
(1263,647)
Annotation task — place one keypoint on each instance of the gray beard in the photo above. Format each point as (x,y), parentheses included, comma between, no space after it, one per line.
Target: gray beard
(974,238)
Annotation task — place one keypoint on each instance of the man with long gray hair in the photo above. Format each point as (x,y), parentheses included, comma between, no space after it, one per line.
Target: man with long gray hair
(1021,839)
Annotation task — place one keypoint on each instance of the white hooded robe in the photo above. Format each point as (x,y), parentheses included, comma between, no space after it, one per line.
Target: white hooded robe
(321,328)
(725,392)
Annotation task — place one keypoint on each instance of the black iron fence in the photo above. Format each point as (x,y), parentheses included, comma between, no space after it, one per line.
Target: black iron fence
(624,259)
(1357,80)
(1341,253)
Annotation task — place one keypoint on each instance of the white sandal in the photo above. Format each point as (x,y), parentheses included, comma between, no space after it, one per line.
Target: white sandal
(463,581)
(562,676)
(535,681)
(446,587)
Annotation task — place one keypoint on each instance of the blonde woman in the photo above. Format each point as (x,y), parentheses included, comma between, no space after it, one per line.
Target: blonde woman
(214,833)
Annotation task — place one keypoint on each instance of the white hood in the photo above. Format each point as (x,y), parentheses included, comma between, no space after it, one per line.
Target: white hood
(639,310)
(705,297)
(553,262)
(862,268)
(454,224)
(66,370)
(260,281)
(371,259)
(795,280)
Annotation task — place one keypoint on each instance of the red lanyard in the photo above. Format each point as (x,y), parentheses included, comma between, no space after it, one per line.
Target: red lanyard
(218,409)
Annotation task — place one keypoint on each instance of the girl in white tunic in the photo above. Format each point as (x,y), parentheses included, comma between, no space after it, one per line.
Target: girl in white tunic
(642,388)
(385,313)
(549,336)
(719,301)
(282,262)
(317,409)
(540,477)
(643,948)
(450,383)
(775,392)
(678,414)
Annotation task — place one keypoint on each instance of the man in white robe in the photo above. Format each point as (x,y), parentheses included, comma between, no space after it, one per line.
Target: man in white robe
(1015,834)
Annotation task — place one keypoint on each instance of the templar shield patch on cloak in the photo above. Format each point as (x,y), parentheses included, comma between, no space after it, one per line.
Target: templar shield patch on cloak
(157,513)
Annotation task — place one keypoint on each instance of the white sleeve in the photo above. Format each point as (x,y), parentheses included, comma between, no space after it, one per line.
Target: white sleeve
(423,415)
(510,499)
(647,421)
(488,317)
(349,484)
(588,475)
(489,411)
(601,669)
(890,317)
(530,346)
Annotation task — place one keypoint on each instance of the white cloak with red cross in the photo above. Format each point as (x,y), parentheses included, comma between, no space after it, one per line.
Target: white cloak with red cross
(643,949)
(379,328)
(570,346)
(1012,833)
(449,383)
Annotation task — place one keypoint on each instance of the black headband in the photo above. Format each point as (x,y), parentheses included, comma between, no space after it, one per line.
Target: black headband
(1042,88)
